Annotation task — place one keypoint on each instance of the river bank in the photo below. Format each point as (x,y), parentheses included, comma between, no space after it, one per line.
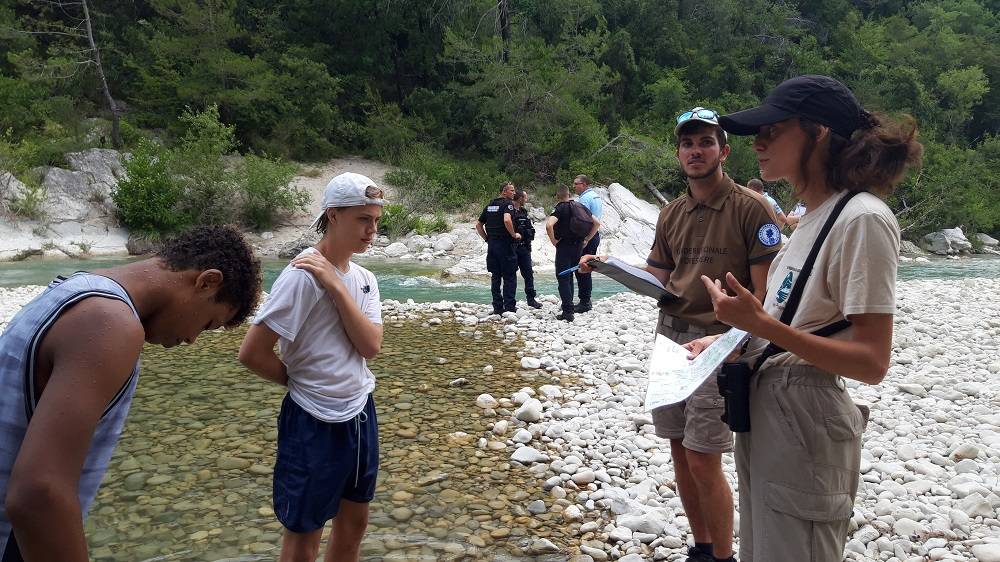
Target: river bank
(931,468)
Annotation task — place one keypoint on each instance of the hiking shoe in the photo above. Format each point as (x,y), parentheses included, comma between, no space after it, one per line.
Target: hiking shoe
(567,316)
(584,306)
(498,311)
(534,304)
(695,554)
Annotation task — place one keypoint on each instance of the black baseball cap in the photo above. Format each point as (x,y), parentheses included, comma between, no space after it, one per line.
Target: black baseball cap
(816,98)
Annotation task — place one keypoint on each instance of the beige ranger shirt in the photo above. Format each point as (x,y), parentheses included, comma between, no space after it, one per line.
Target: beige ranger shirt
(855,270)
(729,233)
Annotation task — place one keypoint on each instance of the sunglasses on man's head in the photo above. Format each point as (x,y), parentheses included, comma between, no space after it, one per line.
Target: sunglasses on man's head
(698,112)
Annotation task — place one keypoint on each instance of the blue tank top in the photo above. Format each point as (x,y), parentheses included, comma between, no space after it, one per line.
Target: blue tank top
(19,345)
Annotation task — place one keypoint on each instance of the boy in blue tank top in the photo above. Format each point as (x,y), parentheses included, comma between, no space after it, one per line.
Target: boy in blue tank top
(69,363)
(325,314)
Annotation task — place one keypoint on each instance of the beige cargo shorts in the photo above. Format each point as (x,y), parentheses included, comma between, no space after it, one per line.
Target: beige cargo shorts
(697,421)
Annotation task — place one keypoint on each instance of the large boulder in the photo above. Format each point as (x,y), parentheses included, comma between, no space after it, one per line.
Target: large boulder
(948,241)
(10,188)
(909,249)
(987,241)
(78,217)
(82,193)
(102,166)
(396,249)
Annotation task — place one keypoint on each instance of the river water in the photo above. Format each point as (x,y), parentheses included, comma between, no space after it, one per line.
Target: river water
(422,282)
(191,477)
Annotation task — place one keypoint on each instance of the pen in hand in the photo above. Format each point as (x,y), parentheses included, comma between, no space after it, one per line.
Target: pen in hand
(574,268)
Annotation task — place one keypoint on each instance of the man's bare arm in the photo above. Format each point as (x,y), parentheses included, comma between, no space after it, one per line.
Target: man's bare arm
(87,372)
(257,354)
(593,231)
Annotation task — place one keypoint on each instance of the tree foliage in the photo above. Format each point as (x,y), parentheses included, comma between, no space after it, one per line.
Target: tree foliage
(535,90)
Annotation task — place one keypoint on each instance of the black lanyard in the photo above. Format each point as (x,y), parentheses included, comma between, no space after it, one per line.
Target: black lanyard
(796,296)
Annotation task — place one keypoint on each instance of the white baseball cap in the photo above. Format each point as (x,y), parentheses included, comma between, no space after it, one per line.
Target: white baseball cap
(350,190)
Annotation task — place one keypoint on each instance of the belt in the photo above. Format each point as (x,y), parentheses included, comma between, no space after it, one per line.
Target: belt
(683,326)
(806,375)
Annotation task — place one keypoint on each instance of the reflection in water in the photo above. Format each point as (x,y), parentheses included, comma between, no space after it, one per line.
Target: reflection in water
(191,479)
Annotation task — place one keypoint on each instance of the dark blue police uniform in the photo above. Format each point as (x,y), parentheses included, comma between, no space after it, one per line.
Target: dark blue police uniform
(523,226)
(568,252)
(501,256)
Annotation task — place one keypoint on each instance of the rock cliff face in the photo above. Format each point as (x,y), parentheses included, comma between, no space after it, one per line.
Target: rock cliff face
(78,213)
(626,233)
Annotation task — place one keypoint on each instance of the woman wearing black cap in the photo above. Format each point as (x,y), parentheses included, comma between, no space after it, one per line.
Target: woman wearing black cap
(798,465)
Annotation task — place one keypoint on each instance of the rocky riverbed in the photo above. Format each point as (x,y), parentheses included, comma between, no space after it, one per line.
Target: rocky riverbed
(568,464)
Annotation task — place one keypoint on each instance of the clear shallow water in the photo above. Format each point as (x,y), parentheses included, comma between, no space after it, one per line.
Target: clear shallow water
(191,477)
(422,282)
(419,281)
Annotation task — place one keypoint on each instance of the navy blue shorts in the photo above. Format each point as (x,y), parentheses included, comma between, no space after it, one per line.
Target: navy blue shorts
(321,463)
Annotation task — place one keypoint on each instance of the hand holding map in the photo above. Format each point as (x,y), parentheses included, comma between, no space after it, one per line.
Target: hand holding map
(672,377)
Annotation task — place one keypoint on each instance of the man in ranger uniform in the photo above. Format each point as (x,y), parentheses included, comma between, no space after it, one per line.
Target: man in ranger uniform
(716,227)
(496,227)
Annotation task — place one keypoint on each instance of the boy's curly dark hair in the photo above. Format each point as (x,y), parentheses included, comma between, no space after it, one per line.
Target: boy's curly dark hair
(225,249)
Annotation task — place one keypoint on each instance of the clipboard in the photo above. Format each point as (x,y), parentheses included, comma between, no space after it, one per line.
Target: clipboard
(638,280)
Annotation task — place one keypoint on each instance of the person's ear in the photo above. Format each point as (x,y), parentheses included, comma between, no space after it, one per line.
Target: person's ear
(724,152)
(208,280)
(824,133)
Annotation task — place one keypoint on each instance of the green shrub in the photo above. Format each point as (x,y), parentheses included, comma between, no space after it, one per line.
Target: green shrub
(197,163)
(29,203)
(396,221)
(148,199)
(388,136)
(432,179)
(264,184)
(437,223)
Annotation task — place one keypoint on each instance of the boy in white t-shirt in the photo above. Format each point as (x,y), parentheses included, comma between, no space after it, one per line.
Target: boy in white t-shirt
(325,314)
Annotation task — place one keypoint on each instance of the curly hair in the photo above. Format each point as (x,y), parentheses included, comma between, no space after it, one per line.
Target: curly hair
(225,249)
(875,158)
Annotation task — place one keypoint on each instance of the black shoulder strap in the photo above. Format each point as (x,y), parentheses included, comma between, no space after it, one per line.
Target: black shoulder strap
(793,299)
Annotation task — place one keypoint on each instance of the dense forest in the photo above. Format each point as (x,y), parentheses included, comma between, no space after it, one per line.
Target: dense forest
(463,93)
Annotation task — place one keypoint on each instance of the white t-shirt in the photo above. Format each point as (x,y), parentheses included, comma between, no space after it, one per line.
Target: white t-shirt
(327,376)
(855,270)
(798,210)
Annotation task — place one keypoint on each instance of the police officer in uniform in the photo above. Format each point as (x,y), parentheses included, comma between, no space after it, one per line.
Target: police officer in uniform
(496,227)
(523,226)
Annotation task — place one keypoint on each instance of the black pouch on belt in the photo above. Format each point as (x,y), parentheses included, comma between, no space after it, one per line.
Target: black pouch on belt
(734,386)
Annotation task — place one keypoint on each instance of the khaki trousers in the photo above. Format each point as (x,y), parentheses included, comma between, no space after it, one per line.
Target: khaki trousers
(798,466)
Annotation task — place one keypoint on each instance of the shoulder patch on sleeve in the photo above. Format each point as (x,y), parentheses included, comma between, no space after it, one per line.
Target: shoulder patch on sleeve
(769,235)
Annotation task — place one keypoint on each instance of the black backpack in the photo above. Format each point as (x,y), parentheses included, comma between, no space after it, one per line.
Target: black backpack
(580,221)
